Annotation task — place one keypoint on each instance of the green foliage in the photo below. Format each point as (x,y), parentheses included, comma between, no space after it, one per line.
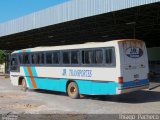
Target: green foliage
(2,56)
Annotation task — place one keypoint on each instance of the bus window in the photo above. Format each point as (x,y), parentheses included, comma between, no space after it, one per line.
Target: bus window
(98,56)
(41,58)
(48,58)
(74,57)
(88,57)
(21,59)
(14,64)
(108,55)
(34,59)
(56,57)
(66,58)
(26,59)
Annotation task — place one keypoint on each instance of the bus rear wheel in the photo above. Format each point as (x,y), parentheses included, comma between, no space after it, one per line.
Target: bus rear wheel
(24,85)
(72,90)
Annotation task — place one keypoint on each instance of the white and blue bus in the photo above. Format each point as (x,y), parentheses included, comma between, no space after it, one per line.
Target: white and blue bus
(102,68)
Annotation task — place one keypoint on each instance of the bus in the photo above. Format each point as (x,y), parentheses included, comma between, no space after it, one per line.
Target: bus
(96,68)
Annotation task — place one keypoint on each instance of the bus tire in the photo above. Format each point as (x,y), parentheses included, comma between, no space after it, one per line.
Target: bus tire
(72,90)
(24,85)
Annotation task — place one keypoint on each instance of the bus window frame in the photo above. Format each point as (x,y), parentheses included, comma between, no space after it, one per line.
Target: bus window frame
(29,58)
(66,64)
(50,52)
(38,53)
(59,58)
(113,63)
(78,57)
(98,49)
(80,62)
(18,64)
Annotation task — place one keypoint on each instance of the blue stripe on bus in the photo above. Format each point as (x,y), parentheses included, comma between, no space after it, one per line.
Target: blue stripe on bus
(28,50)
(85,86)
(20,51)
(28,79)
(97,88)
(51,84)
(135,83)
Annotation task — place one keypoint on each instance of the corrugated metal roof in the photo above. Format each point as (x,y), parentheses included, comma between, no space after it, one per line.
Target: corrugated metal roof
(71,10)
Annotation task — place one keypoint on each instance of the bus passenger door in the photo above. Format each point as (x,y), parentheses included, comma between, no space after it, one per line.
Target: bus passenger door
(14,69)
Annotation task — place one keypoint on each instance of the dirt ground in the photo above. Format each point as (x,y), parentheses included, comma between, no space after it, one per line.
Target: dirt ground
(14,101)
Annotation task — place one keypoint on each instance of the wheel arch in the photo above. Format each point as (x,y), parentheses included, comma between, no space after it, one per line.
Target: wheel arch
(20,80)
(71,93)
(69,81)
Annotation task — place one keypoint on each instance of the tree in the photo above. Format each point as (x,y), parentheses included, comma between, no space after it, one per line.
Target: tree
(2,57)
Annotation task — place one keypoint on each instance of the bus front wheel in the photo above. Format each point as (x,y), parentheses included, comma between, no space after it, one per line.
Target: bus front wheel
(72,90)
(24,85)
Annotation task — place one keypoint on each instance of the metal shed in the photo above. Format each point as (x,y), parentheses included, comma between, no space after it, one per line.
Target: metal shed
(78,21)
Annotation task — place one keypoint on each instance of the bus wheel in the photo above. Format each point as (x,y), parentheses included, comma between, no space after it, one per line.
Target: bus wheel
(72,90)
(24,85)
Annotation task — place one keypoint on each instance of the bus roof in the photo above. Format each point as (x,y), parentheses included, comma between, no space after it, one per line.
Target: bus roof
(74,46)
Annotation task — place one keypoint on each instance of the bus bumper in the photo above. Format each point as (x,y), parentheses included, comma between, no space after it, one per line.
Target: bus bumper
(131,89)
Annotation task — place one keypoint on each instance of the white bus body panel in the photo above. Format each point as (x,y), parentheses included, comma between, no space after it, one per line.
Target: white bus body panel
(134,60)
(82,73)
(14,77)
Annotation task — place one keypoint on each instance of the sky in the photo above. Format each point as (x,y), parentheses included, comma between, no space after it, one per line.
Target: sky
(11,9)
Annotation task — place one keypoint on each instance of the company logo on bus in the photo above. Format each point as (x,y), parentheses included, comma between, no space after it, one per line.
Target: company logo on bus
(134,52)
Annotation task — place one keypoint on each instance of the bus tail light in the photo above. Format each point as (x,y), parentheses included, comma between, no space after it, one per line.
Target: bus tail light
(120,80)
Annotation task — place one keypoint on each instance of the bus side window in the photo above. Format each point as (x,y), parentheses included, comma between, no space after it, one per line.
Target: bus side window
(66,58)
(26,59)
(21,59)
(74,57)
(88,57)
(40,58)
(34,58)
(108,55)
(48,58)
(14,64)
(55,58)
(98,56)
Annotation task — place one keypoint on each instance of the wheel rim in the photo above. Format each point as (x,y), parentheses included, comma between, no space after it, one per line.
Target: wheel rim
(73,90)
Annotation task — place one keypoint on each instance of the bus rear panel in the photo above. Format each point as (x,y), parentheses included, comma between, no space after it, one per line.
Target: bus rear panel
(133,66)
